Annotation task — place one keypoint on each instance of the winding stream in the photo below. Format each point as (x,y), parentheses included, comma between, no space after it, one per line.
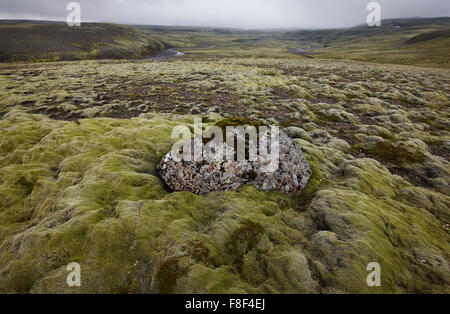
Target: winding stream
(167,54)
(173,53)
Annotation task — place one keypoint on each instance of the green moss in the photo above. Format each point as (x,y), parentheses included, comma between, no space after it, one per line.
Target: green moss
(242,240)
(394,153)
(238,121)
(201,279)
(314,184)
(168,274)
(351,96)
(87,192)
(325,118)
(289,123)
(199,252)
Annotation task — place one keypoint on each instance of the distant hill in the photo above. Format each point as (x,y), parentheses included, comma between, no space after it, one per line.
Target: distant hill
(412,41)
(55,41)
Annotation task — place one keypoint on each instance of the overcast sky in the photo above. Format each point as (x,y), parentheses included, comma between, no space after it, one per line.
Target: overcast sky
(225,13)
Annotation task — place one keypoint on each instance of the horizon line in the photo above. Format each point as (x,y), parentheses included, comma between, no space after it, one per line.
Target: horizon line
(223,27)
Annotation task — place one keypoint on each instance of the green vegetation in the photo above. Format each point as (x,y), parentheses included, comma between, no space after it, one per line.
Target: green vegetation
(420,42)
(394,153)
(238,121)
(243,240)
(47,41)
(168,274)
(81,140)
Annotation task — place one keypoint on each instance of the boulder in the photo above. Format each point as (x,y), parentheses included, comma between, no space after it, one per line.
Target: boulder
(202,177)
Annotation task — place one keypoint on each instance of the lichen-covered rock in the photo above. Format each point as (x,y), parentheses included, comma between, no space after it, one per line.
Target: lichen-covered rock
(202,177)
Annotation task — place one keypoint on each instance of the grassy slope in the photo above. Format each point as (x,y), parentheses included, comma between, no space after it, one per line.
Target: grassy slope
(385,44)
(46,41)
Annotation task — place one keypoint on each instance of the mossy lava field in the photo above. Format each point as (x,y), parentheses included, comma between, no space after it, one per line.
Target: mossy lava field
(80,142)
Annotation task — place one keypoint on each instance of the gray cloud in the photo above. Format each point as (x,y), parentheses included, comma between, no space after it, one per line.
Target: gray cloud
(226,13)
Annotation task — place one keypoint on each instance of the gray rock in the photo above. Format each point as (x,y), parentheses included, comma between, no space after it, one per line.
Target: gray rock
(202,177)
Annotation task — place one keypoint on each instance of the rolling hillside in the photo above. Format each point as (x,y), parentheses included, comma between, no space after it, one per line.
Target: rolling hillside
(421,42)
(54,41)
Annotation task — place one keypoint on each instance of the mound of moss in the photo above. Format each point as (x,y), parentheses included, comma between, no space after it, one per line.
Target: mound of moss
(87,192)
(238,121)
(82,186)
